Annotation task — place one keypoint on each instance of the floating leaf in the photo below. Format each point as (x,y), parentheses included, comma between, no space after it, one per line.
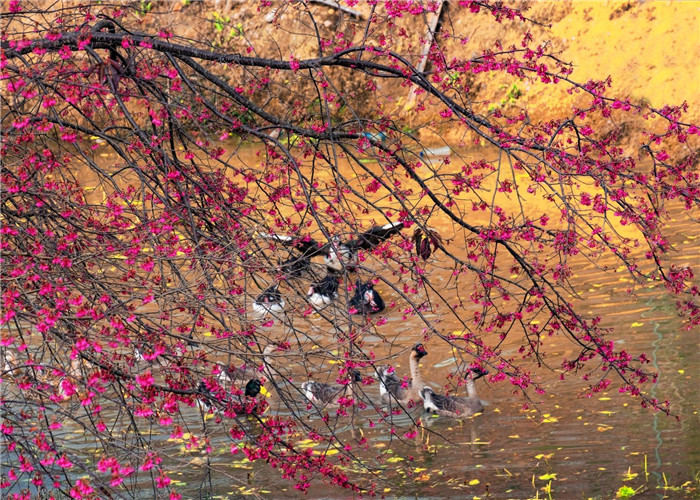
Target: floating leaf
(548,477)
(514,436)
(327,453)
(625,492)
(306,443)
(393,460)
(629,475)
(473,482)
(636,324)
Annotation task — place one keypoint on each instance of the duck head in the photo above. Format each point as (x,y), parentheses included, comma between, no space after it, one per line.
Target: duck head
(475,372)
(252,388)
(420,351)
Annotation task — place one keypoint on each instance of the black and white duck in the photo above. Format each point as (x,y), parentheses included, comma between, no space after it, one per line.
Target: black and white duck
(324,292)
(270,301)
(207,402)
(366,299)
(339,254)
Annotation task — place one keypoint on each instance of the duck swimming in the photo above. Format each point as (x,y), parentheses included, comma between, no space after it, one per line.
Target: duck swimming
(339,254)
(324,292)
(270,301)
(403,391)
(366,299)
(455,406)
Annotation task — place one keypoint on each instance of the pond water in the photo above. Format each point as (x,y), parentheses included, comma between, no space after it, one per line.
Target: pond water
(577,447)
(581,447)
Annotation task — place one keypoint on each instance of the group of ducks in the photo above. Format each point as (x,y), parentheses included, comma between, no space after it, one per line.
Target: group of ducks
(338,256)
(406,392)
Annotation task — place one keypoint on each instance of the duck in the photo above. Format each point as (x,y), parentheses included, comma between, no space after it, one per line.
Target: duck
(403,391)
(330,395)
(454,406)
(343,254)
(206,404)
(339,255)
(270,301)
(324,292)
(305,246)
(366,299)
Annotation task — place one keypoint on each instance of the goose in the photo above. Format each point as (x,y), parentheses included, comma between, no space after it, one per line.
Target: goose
(403,391)
(324,292)
(338,254)
(206,404)
(330,395)
(454,406)
(366,299)
(270,301)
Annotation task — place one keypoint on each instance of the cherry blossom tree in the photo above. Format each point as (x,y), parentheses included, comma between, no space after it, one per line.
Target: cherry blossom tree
(153,186)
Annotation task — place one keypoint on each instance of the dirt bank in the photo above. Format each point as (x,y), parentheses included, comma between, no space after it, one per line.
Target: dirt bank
(648,48)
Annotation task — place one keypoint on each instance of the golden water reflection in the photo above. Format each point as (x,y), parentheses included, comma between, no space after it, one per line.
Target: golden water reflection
(580,445)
